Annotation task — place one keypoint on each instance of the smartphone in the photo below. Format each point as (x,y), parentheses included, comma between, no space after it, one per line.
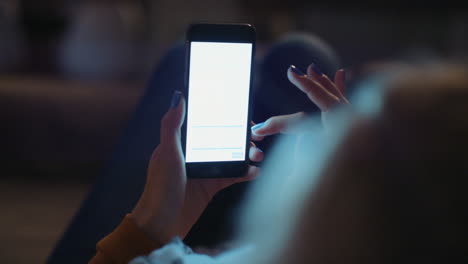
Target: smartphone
(216,133)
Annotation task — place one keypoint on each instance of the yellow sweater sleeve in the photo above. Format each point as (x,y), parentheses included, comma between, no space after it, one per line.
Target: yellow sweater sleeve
(126,242)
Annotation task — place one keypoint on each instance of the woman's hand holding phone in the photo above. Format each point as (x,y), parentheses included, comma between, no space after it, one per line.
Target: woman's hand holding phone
(171,204)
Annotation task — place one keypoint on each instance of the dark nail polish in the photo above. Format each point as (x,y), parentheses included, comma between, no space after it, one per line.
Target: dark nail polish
(316,69)
(176,99)
(257,126)
(296,70)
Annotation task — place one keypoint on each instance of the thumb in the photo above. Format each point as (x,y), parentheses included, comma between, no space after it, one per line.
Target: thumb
(173,120)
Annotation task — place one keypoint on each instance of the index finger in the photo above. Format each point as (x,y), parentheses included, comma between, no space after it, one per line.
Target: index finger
(278,124)
(253,136)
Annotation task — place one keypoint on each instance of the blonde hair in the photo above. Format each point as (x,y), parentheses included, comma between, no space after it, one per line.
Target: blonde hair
(396,190)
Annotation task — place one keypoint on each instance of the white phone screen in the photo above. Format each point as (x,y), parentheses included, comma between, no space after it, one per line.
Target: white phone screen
(218,89)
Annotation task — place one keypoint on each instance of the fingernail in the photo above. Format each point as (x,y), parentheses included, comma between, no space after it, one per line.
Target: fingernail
(296,70)
(176,99)
(259,150)
(257,126)
(316,69)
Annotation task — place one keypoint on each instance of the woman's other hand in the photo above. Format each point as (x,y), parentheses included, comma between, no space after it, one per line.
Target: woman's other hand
(322,91)
(171,204)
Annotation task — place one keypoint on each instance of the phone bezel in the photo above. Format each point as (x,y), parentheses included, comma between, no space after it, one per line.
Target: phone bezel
(235,33)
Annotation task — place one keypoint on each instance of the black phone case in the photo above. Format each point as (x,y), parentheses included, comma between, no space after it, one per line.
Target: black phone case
(236,33)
